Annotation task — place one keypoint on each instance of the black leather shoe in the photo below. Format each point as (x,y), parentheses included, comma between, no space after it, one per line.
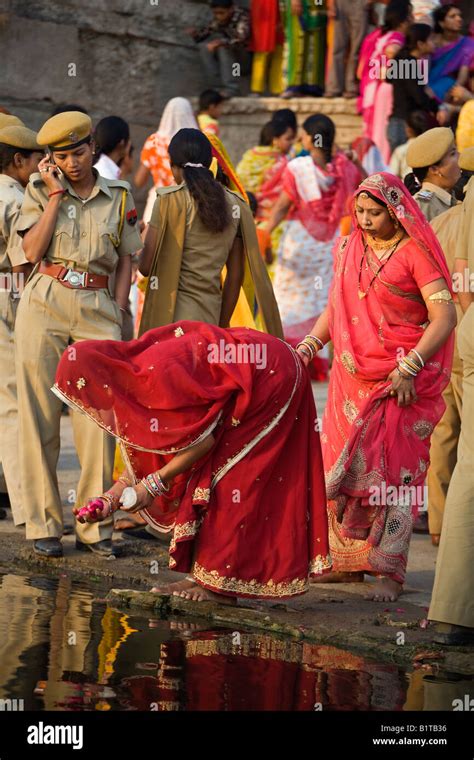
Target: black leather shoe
(4,500)
(48,547)
(453,635)
(103,548)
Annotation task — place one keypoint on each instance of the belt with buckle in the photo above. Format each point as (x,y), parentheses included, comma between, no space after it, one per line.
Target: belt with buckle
(71,278)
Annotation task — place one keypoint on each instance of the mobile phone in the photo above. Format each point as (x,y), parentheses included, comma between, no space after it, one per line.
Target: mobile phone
(57,172)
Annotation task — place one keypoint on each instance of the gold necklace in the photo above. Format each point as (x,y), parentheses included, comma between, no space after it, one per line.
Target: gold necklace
(383,245)
(363,293)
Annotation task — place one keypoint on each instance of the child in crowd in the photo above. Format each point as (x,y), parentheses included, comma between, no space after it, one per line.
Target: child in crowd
(210,108)
(223,43)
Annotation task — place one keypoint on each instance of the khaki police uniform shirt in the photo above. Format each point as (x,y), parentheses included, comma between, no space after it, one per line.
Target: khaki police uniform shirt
(465,240)
(85,230)
(433,200)
(447,227)
(11,198)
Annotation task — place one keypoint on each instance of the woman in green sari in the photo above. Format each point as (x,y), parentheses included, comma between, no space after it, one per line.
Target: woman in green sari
(305,47)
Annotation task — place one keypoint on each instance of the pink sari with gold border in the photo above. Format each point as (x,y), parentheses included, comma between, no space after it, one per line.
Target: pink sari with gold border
(370,444)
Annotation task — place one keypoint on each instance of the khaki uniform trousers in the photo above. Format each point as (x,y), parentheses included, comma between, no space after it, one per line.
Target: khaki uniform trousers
(49,318)
(453,600)
(9,407)
(444,445)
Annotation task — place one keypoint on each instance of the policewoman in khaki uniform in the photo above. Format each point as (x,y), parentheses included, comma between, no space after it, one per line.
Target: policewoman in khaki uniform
(6,120)
(433,158)
(79,230)
(19,157)
(452,603)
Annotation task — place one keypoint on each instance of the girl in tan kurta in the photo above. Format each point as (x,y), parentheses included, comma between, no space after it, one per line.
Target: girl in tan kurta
(204,256)
(197,229)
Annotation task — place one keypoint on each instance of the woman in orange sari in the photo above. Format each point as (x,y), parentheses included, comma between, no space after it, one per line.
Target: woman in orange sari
(391,318)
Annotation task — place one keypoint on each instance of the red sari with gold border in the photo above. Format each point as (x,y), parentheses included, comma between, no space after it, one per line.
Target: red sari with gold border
(371,445)
(249,518)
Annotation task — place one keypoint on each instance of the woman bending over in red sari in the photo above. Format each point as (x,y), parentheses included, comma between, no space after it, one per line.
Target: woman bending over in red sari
(223,423)
(391,317)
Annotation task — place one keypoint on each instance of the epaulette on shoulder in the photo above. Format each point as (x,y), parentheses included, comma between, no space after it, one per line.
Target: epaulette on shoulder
(122,183)
(424,195)
(234,192)
(170,189)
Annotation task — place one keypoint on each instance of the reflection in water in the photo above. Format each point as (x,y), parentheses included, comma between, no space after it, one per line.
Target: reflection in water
(60,650)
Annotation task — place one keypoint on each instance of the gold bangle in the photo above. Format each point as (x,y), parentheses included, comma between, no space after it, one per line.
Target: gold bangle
(419,357)
(410,363)
(315,339)
(307,350)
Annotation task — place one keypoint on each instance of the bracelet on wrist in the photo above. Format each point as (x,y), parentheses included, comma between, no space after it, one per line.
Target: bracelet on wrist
(405,375)
(154,485)
(307,349)
(418,356)
(315,338)
(56,192)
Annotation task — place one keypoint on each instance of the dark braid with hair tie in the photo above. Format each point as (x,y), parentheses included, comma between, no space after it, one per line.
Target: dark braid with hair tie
(192,152)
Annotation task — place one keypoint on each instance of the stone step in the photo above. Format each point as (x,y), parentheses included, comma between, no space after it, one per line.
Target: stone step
(243,118)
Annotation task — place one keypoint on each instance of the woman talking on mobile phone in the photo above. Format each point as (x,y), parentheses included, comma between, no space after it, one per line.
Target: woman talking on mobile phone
(79,231)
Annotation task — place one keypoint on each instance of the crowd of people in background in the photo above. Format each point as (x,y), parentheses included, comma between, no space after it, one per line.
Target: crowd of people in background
(394,57)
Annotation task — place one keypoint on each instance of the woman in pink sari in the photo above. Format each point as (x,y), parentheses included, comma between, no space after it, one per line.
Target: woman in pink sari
(391,318)
(376,98)
(314,199)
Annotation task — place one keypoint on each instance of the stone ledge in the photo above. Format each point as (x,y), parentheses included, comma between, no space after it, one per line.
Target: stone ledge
(302,106)
(243,118)
(456,659)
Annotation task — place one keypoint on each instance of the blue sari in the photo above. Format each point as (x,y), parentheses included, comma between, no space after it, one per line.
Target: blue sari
(446,62)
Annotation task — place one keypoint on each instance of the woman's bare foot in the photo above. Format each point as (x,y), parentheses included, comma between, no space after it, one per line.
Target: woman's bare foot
(385,590)
(190,590)
(334,577)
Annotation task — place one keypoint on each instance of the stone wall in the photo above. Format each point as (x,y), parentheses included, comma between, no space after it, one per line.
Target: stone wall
(121,56)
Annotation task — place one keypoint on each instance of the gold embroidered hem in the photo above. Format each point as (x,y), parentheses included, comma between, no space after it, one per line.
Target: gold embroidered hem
(185,530)
(250,645)
(221,584)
